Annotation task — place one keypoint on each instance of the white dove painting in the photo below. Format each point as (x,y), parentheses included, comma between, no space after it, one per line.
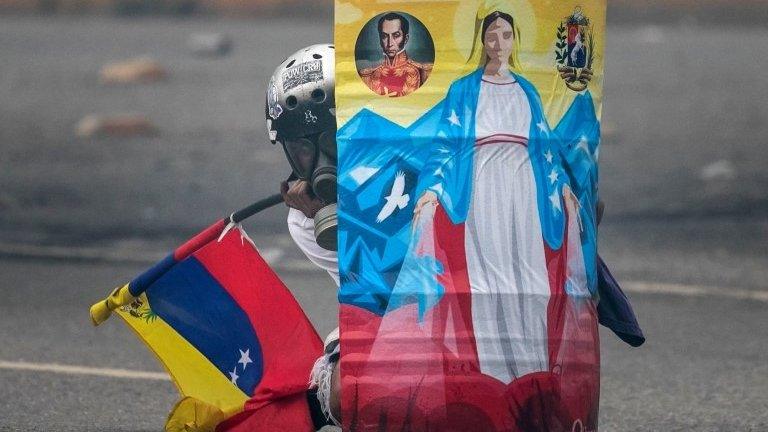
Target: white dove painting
(396,198)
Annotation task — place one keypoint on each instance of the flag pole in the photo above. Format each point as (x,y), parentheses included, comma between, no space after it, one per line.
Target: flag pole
(256,207)
(124,295)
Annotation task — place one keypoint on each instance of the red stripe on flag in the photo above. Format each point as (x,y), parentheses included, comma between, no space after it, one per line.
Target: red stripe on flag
(287,414)
(198,241)
(289,343)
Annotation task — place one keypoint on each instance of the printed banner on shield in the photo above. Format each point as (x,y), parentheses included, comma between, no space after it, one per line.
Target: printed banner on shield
(468,142)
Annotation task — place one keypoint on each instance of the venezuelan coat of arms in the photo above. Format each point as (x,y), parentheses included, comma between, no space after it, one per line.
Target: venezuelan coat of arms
(575,50)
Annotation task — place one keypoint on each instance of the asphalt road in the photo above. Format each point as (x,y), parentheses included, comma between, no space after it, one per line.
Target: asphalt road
(683,173)
(684,125)
(703,368)
(45,320)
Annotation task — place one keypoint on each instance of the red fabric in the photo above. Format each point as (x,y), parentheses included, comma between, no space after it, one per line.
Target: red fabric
(289,343)
(556,267)
(198,241)
(402,374)
(287,414)
(574,346)
(456,305)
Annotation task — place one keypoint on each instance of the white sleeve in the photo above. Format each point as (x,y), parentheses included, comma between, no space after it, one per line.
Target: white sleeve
(302,231)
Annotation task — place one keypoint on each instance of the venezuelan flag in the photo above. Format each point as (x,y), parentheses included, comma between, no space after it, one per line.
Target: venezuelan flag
(230,334)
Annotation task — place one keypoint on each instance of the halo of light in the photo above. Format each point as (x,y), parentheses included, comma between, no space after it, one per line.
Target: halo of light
(521,11)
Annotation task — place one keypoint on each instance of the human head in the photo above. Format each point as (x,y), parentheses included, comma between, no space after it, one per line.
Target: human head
(498,37)
(300,97)
(393,33)
(300,111)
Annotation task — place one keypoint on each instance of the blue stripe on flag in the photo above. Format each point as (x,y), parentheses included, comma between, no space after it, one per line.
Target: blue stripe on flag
(144,280)
(194,304)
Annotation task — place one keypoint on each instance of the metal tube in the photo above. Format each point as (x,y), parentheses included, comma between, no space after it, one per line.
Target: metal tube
(256,207)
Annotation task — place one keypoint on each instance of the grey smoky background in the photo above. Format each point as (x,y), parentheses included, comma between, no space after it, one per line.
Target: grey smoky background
(684,121)
(127,126)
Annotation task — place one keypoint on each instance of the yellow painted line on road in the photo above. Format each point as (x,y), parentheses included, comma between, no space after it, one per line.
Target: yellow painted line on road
(84,370)
(694,290)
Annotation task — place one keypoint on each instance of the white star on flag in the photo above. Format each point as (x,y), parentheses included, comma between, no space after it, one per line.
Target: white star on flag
(543,127)
(553,176)
(245,358)
(555,200)
(233,376)
(454,119)
(548,156)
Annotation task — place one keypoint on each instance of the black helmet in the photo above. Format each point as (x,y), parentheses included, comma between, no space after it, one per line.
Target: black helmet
(300,95)
(301,116)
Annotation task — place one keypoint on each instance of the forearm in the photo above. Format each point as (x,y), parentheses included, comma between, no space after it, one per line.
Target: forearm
(302,230)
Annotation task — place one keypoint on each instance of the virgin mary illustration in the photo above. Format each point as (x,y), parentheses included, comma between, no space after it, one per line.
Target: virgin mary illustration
(495,270)
(497,168)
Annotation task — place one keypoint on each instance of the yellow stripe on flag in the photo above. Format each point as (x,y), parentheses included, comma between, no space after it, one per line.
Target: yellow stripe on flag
(194,375)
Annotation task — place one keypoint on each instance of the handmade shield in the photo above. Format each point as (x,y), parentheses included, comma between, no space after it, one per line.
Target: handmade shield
(468,141)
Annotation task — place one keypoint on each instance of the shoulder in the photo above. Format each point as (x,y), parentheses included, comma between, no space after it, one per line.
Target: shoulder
(472,77)
(523,82)
(465,82)
(420,66)
(366,72)
(528,87)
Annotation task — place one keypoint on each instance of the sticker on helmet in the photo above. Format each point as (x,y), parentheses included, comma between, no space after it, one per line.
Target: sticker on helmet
(309,117)
(302,73)
(274,107)
(272,131)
